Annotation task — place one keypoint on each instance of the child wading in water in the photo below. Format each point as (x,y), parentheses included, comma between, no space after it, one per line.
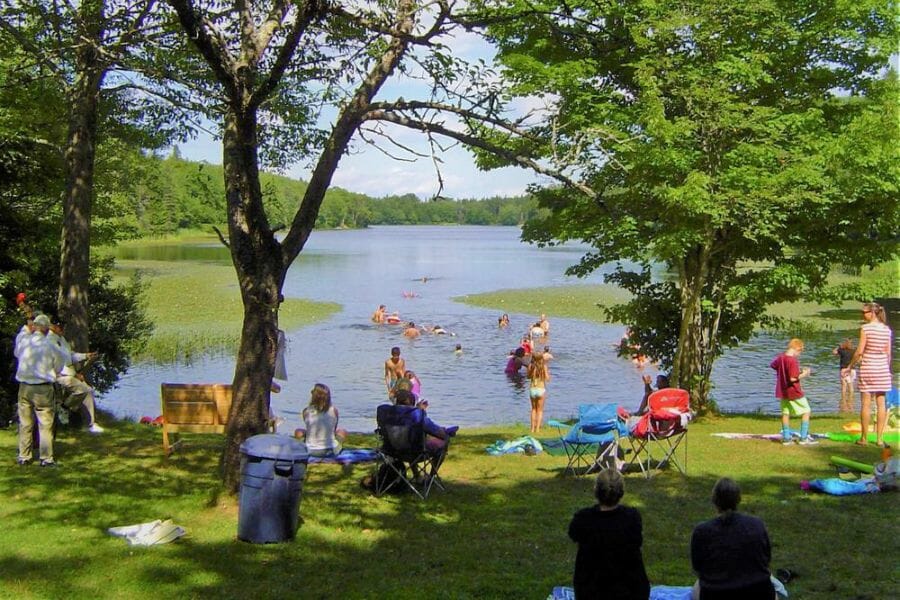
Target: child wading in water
(788,390)
(538,375)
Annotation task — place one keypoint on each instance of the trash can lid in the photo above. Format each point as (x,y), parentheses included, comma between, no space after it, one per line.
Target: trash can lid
(275,447)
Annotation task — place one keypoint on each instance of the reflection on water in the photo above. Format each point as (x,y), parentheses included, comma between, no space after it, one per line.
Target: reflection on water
(384,265)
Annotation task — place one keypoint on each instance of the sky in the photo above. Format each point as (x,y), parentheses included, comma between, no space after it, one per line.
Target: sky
(369,171)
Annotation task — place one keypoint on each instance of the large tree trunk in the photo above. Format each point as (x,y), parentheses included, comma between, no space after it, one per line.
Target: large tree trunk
(75,245)
(693,357)
(257,259)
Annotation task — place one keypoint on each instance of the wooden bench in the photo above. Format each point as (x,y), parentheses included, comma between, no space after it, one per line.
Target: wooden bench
(193,408)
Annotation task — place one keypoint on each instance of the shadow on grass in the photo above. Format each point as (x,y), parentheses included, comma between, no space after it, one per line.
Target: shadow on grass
(499,531)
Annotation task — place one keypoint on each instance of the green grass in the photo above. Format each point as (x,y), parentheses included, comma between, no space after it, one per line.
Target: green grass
(196,308)
(499,531)
(581,302)
(571,301)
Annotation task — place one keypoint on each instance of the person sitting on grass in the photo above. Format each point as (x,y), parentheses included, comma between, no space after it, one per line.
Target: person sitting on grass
(609,563)
(731,552)
(322,436)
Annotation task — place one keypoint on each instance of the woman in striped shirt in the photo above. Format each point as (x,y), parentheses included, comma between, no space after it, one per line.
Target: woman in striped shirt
(874,356)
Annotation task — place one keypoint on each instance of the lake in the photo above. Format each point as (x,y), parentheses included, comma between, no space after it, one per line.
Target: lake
(361,269)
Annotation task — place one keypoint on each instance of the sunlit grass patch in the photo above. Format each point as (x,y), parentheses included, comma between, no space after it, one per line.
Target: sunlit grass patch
(498,531)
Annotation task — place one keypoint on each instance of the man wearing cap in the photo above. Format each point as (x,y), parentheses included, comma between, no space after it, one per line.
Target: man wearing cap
(75,391)
(39,360)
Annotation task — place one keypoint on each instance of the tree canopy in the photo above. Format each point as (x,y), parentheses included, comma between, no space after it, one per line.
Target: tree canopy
(745,147)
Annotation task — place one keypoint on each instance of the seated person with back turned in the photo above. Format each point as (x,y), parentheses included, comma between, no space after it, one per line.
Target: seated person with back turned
(405,412)
(322,436)
(609,563)
(731,553)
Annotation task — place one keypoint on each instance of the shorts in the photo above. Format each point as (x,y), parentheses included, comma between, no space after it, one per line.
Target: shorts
(795,408)
(536,392)
(849,377)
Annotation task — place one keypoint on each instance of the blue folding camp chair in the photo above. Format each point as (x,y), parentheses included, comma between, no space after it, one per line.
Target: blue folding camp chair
(592,443)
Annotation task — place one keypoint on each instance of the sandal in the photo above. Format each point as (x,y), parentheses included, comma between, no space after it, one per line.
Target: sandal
(861,443)
(880,445)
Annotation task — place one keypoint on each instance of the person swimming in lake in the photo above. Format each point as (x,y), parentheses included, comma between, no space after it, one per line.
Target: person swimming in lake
(516,361)
(411,331)
(378,315)
(393,318)
(538,376)
(503,321)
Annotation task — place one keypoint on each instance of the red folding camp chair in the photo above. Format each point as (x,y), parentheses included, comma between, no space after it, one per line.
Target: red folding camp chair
(659,432)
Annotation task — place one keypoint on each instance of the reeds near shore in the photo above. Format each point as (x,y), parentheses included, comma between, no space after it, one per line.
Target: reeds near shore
(196,309)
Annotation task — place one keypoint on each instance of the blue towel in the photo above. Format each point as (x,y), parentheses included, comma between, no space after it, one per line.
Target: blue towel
(347,456)
(516,446)
(657,592)
(841,487)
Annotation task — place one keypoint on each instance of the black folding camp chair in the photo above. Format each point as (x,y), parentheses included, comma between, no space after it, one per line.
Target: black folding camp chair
(404,457)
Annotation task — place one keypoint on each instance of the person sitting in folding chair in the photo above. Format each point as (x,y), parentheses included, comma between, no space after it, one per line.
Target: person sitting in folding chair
(437,437)
(410,439)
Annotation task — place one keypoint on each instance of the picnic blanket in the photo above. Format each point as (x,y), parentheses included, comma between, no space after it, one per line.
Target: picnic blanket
(774,437)
(347,456)
(522,445)
(660,592)
(657,592)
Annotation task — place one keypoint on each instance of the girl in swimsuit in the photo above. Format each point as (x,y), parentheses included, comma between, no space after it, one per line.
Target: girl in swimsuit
(538,375)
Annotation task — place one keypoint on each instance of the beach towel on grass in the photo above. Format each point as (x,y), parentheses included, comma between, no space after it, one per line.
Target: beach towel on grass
(516,446)
(773,437)
(841,487)
(347,456)
(148,534)
(657,592)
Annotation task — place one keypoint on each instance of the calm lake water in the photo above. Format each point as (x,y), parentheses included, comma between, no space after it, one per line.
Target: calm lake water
(361,269)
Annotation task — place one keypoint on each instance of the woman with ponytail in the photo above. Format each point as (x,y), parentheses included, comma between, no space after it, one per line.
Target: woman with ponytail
(874,357)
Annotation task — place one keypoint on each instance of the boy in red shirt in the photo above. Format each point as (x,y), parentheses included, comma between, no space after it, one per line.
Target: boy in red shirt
(788,390)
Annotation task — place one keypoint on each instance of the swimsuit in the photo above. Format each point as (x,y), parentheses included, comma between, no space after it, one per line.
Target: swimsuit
(536,392)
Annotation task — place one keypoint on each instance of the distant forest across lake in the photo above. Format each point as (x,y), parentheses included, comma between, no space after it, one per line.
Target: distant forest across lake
(163,196)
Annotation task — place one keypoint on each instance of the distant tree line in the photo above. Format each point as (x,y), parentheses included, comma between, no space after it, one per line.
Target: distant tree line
(166,195)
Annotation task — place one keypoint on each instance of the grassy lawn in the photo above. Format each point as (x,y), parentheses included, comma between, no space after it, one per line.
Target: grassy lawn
(188,323)
(581,302)
(499,531)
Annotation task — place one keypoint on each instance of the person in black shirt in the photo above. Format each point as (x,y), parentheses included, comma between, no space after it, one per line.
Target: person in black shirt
(609,563)
(731,553)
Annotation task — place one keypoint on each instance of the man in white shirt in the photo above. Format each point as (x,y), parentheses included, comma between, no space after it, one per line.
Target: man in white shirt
(75,390)
(39,361)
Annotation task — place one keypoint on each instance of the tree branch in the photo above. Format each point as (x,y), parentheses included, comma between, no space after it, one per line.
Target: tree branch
(476,142)
(210,43)
(305,17)
(222,237)
(346,126)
